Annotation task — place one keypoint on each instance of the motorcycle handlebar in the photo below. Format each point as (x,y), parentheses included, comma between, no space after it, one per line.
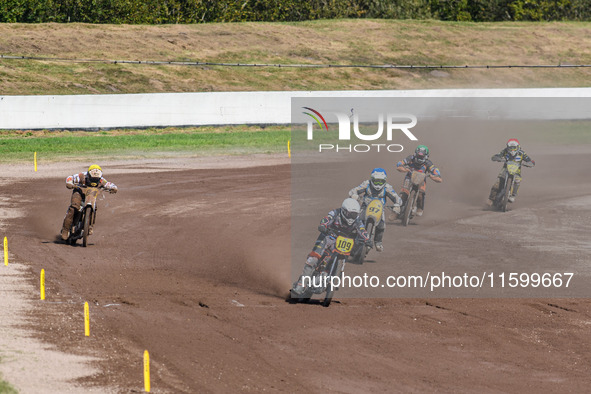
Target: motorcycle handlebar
(335,234)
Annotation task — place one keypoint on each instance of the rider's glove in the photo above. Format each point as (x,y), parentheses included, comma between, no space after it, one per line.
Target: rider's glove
(354,196)
(396,208)
(69,185)
(113,190)
(322,228)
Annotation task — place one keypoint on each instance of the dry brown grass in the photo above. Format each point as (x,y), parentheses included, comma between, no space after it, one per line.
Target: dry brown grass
(337,42)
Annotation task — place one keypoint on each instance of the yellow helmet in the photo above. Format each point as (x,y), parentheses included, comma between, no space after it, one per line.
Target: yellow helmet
(95,172)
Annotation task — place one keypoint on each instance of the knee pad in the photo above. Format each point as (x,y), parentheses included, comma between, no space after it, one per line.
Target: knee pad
(312,261)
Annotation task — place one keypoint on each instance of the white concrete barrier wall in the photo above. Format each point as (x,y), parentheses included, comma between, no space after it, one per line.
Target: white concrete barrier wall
(199,109)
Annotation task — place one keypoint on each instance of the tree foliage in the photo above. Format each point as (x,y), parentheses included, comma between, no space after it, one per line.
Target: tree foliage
(200,11)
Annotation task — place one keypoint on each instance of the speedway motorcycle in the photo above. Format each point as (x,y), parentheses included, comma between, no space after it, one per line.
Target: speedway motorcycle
(86,215)
(507,182)
(409,209)
(331,265)
(373,217)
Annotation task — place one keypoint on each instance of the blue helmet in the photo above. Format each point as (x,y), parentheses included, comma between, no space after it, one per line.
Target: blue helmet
(378,178)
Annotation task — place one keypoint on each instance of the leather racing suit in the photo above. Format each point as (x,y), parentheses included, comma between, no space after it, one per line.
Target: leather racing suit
(332,222)
(520,157)
(77,198)
(367,192)
(411,165)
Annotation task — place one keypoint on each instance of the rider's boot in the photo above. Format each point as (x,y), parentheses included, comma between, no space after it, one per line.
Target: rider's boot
(299,287)
(420,204)
(67,225)
(378,239)
(514,194)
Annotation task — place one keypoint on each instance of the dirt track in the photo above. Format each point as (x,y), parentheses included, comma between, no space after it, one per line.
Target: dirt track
(193,265)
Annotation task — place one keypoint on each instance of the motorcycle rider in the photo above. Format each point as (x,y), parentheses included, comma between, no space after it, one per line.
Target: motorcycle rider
(512,152)
(419,161)
(344,220)
(94,178)
(376,187)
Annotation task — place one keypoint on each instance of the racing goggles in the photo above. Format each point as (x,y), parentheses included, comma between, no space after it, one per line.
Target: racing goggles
(350,214)
(513,148)
(379,182)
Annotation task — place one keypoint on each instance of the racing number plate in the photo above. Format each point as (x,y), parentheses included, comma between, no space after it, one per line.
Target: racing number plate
(344,245)
(512,168)
(375,209)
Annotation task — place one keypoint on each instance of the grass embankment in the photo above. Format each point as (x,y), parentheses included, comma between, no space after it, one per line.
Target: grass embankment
(53,145)
(342,42)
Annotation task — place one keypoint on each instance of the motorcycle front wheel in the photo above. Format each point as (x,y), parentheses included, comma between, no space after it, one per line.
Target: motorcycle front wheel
(506,194)
(410,203)
(87,218)
(364,250)
(334,268)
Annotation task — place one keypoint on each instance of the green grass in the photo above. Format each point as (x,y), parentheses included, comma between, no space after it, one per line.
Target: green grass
(560,132)
(6,388)
(142,143)
(203,141)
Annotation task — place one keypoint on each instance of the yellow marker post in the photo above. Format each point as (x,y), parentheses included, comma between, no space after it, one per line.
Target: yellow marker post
(42,284)
(86,320)
(35,160)
(288,149)
(146,371)
(5,251)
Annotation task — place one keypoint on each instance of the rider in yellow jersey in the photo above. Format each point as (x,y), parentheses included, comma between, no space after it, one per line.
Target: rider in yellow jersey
(512,152)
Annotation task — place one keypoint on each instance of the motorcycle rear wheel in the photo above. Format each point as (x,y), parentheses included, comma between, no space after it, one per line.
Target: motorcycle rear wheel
(87,219)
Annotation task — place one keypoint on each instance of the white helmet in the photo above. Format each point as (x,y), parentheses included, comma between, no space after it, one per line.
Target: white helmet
(513,146)
(350,210)
(378,178)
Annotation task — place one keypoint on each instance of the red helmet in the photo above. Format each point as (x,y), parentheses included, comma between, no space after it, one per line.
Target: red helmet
(513,146)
